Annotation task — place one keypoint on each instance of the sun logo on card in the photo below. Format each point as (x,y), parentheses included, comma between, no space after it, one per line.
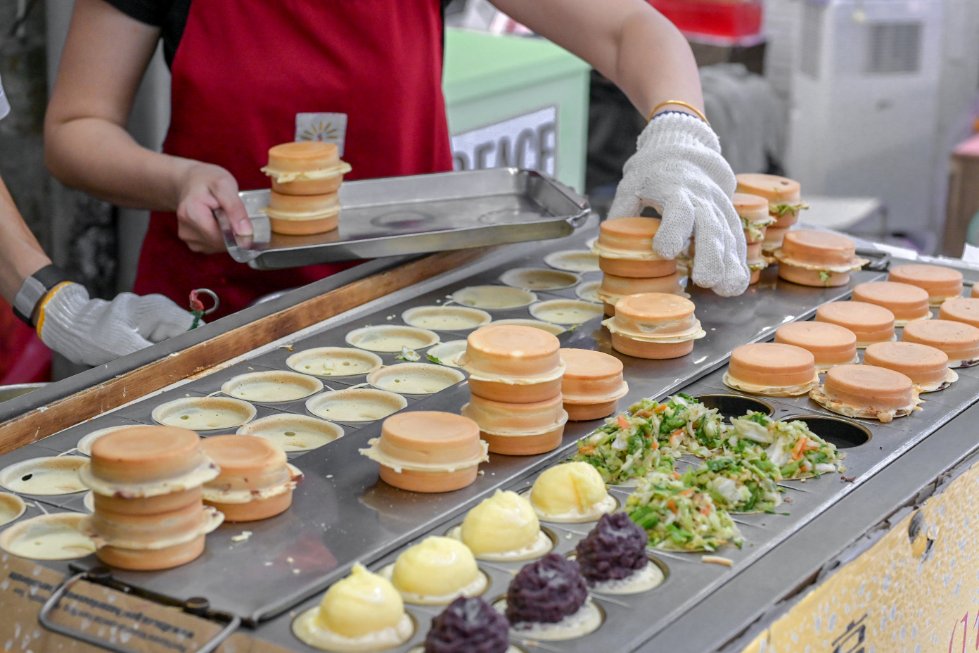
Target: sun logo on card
(320,131)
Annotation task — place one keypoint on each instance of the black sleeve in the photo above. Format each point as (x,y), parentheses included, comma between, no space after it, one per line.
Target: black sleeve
(151,12)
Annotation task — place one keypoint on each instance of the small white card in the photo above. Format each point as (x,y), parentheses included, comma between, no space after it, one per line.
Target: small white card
(328,127)
(970,254)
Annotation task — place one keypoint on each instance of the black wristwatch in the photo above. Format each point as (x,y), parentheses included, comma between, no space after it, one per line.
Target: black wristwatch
(33,290)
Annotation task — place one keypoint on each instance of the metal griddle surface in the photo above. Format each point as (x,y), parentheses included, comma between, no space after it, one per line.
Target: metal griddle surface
(342,513)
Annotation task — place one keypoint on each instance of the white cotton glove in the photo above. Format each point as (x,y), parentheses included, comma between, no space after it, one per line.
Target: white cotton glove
(678,170)
(95,331)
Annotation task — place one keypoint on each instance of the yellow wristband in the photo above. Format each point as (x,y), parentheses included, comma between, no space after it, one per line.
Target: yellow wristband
(677,103)
(44,303)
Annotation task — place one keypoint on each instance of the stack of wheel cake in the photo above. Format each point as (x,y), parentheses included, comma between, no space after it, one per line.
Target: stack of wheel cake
(306,178)
(629,264)
(755,219)
(147,484)
(784,197)
(515,375)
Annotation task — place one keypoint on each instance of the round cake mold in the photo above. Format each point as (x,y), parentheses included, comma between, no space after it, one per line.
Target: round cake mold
(204,413)
(84,445)
(273,386)
(11,508)
(588,291)
(446,318)
(494,298)
(355,404)
(365,608)
(329,362)
(293,432)
(447,353)
(553,329)
(415,378)
(46,476)
(58,536)
(539,279)
(573,260)
(542,545)
(309,633)
(391,338)
(475,588)
(566,311)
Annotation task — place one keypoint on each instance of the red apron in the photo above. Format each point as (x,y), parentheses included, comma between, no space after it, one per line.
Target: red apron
(241,73)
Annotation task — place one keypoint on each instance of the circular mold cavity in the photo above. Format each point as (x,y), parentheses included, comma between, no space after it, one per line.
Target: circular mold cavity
(58,536)
(293,432)
(271,387)
(305,629)
(566,311)
(588,291)
(730,406)
(44,476)
(587,620)
(649,578)
(573,260)
(494,298)
(446,318)
(415,378)
(837,431)
(553,329)
(331,362)
(478,588)
(447,353)
(355,404)
(391,338)
(539,279)
(547,540)
(84,445)
(204,413)
(11,508)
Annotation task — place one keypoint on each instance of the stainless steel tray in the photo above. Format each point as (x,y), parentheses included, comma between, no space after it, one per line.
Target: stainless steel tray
(418,214)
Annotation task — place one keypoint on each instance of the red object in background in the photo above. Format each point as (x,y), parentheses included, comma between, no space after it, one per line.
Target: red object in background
(23,357)
(727,20)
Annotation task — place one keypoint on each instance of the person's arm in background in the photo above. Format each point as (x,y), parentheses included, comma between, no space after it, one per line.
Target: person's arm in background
(87,145)
(678,168)
(84,330)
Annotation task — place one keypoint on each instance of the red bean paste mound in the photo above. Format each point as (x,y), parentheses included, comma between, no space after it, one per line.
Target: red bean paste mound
(468,625)
(546,591)
(613,550)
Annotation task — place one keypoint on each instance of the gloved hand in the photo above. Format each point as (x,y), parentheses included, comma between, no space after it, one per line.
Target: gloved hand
(678,170)
(95,331)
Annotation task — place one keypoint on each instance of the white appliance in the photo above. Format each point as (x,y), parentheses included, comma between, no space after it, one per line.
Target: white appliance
(864,108)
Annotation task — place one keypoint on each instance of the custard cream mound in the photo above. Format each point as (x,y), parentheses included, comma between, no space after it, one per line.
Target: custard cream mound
(362,612)
(571,492)
(436,570)
(504,527)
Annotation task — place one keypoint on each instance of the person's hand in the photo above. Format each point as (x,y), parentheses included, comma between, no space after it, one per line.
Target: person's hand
(95,331)
(678,169)
(204,188)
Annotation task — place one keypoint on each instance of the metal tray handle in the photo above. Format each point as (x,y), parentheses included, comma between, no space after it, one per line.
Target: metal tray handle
(101,576)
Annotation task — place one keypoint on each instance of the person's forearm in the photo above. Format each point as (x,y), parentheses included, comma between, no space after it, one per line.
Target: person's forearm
(626,40)
(654,64)
(20,253)
(102,159)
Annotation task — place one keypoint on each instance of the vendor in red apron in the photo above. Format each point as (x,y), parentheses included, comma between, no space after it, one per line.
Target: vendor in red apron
(249,74)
